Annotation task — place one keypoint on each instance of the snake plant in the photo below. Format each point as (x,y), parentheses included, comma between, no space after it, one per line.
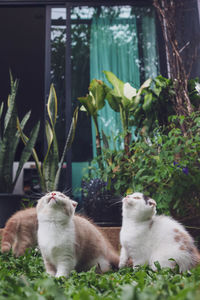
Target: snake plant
(9,140)
(49,170)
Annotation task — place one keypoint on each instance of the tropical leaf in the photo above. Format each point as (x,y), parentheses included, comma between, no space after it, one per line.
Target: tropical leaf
(88,104)
(7,151)
(113,100)
(11,113)
(35,157)
(116,82)
(52,105)
(147,102)
(27,151)
(97,89)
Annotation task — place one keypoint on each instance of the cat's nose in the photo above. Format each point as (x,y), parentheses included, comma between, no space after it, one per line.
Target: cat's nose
(53,195)
(125,200)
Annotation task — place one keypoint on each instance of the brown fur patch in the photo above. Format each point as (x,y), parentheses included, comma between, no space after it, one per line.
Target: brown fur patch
(150,224)
(20,232)
(91,242)
(176,230)
(182,247)
(177,238)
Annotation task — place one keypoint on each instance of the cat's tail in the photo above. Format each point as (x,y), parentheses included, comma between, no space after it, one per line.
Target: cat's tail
(9,235)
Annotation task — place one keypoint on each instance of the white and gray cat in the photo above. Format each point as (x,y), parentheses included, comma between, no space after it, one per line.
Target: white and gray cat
(146,238)
(70,242)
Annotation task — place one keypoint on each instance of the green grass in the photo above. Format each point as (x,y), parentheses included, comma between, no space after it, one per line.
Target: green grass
(25,278)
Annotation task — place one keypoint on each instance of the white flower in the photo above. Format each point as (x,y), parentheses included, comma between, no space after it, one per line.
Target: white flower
(197,87)
(129,91)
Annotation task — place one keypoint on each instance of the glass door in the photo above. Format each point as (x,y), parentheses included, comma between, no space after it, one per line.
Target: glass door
(84,41)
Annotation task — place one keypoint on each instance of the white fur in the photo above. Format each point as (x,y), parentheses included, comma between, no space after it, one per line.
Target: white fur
(146,238)
(56,233)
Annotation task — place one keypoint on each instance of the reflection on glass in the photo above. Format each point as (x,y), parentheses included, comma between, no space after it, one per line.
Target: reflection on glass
(58,42)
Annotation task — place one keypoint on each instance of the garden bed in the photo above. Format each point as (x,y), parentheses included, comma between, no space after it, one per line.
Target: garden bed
(25,278)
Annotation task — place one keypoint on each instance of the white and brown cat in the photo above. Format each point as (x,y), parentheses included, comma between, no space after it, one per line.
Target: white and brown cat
(68,242)
(20,232)
(146,238)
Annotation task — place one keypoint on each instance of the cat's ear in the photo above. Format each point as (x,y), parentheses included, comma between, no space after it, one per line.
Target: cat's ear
(74,203)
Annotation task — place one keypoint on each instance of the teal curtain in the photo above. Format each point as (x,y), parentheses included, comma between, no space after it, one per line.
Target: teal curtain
(114,47)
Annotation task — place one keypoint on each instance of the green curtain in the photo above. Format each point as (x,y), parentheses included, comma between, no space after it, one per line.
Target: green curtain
(114,47)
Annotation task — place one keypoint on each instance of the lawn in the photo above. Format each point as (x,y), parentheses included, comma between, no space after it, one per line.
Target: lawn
(25,278)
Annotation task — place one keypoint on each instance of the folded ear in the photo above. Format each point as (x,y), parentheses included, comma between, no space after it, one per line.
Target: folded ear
(74,203)
(152,202)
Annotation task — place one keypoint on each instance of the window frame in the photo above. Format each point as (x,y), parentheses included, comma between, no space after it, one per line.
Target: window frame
(49,4)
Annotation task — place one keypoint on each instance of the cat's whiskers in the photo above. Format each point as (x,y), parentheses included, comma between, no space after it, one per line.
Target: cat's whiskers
(67,192)
(115,203)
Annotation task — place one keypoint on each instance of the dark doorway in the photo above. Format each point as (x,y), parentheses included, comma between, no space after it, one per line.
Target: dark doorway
(22,50)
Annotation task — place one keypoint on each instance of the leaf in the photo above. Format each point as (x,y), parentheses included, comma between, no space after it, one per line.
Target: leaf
(148,99)
(11,111)
(49,135)
(27,151)
(129,91)
(113,100)
(52,105)
(87,103)
(1,109)
(146,84)
(97,89)
(116,82)
(51,160)
(7,149)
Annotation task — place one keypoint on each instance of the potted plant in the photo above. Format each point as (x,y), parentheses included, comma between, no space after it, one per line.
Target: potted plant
(9,140)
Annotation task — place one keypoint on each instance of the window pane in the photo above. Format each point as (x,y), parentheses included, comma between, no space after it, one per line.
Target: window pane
(121,39)
(58,42)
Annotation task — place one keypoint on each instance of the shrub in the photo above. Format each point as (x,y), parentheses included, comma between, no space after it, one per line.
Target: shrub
(165,166)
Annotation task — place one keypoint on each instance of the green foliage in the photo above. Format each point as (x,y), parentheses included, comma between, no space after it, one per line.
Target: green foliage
(92,103)
(9,141)
(165,166)
(123,99)
(25,278)
(154,105)
(49,170)
(162,162)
